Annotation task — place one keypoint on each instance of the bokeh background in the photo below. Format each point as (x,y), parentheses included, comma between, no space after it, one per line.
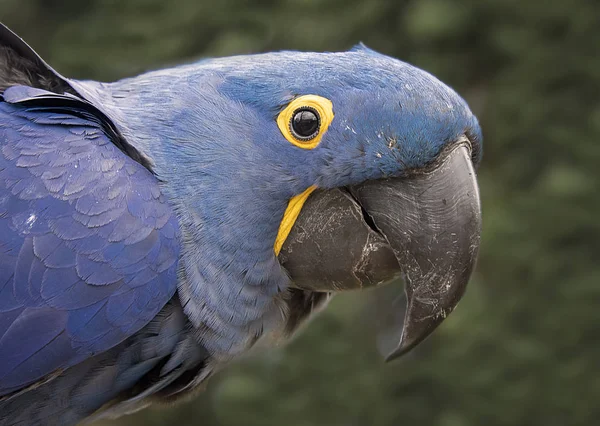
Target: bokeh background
(523,348)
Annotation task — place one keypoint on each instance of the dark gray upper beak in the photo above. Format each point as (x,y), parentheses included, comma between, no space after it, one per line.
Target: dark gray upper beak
(432,221)
(425,226)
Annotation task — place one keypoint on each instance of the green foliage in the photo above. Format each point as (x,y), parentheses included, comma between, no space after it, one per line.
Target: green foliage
(523,347)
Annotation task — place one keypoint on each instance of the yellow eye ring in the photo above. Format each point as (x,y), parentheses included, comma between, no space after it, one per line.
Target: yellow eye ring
(305,120)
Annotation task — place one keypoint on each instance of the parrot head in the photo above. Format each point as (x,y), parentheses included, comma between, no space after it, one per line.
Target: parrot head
(317,171)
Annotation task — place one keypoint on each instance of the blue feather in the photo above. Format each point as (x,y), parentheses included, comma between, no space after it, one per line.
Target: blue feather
(82,226)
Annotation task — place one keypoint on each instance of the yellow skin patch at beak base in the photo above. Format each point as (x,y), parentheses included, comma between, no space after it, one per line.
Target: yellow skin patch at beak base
(289,217)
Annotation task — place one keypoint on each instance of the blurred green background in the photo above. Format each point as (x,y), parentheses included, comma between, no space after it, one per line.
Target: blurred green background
(523,348)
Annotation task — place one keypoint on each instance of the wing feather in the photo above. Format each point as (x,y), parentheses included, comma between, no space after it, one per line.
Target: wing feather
(88,243)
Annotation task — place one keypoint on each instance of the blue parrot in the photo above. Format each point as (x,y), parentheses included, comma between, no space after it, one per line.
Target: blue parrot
(154,229)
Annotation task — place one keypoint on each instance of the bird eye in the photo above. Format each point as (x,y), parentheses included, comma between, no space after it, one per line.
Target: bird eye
(305,120)
(305,123)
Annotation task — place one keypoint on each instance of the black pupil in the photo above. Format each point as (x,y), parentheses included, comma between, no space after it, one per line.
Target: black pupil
(305,123)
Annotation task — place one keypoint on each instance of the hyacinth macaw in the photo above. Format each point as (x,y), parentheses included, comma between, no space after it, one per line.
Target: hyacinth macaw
(154,229)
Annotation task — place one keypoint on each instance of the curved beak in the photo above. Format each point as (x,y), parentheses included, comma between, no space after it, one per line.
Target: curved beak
(432,222)
(425,227)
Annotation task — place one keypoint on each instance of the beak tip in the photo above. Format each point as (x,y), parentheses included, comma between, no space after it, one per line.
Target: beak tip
(396,353)
(419,323)
(405,346)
